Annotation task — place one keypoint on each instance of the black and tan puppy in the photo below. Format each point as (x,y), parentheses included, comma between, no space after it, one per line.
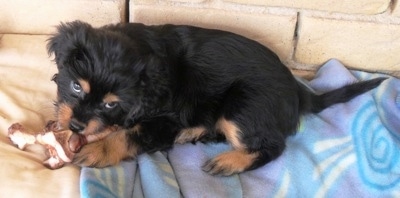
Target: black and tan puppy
(174,84)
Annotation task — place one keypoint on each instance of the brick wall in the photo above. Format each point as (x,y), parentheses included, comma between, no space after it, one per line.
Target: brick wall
(363,34)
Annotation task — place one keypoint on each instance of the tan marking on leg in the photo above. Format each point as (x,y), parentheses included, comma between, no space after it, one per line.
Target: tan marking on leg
(107,152)
(190,134)
(85,85)
(231,132)
(230,162)
(64,115)
(110,97)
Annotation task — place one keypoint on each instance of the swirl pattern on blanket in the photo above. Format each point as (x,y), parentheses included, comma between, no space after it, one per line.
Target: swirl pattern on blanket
(378,150)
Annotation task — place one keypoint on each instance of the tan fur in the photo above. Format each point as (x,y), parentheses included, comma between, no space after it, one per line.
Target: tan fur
(231,132)
(85,85)
(235,161)
(190,134)
(109,98)
(107,152)
(93,126)
(231,162)
(64,115)
(136,129)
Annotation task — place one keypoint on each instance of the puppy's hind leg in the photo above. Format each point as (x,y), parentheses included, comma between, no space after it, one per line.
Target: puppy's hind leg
(247,154)
(256,123)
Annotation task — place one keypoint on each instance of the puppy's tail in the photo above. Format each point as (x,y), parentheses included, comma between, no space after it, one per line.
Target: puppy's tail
(316,103)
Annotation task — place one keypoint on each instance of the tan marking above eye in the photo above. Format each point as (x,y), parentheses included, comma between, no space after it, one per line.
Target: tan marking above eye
(110,98)
(85,85)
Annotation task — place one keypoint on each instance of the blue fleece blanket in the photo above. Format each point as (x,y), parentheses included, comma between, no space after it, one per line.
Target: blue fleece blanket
(348,150)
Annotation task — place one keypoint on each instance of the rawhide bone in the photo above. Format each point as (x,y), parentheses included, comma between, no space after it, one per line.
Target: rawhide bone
(61,145)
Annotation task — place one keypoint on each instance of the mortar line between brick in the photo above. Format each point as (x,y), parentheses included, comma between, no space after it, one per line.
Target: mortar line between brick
(384,18)
(295,35)
(127,11)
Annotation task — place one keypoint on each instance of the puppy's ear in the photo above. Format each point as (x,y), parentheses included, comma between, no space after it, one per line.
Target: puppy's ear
(66,43)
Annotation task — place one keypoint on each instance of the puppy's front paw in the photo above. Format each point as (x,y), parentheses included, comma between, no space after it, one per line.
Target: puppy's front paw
(107,152)
(94,155)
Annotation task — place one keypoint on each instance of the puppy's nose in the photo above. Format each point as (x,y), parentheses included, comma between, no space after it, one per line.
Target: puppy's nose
(76,126)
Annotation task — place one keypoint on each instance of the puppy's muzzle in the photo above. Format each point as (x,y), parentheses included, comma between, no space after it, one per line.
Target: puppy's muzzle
(76,126)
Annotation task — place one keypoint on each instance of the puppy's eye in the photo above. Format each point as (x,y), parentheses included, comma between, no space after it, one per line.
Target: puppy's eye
(110,105)
(76,87)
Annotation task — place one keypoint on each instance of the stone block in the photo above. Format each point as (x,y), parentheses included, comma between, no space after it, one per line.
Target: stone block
(342,6)
(40,16)
(274,31)
(361,45)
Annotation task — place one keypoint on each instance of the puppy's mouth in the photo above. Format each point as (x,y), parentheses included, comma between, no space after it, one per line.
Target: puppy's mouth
(85,134)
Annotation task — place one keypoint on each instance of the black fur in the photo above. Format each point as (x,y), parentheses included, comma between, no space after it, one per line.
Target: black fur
(170,78)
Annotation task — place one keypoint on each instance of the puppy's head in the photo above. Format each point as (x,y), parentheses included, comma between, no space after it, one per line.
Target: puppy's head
(101,78)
